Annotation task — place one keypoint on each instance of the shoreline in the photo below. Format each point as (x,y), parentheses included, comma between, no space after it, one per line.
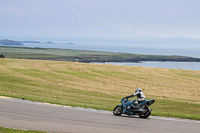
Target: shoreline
(86,56)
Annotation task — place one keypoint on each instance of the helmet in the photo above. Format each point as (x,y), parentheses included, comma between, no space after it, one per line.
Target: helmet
(138,90)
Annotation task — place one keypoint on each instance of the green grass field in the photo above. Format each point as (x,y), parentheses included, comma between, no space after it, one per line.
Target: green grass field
(83,55)
(7,130)
(100,86)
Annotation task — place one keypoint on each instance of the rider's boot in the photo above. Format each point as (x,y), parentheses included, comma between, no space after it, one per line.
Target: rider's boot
(129,107)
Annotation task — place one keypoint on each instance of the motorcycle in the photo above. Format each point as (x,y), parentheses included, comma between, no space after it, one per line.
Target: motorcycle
(126,107)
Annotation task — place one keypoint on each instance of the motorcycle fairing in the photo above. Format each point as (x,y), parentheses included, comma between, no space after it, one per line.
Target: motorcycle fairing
(148,102)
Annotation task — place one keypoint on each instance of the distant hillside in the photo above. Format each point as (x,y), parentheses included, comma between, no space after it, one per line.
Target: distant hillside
(85,56)
(21,43)
(10,42)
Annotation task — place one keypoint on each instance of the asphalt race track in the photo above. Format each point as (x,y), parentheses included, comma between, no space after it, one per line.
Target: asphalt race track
(23,114)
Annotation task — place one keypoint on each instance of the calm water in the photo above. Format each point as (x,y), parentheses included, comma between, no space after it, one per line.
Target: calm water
(183,50)
(158,64)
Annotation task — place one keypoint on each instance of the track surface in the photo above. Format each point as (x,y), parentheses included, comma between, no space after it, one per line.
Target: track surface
(22,114)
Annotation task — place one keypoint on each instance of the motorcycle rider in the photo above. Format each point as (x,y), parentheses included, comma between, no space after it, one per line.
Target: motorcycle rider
(140,98)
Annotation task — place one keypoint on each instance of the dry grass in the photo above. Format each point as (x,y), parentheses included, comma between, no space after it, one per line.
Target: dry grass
(108,79)
(68,82)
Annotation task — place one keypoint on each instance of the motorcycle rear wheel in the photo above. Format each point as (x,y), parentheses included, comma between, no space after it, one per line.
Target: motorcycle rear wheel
(146,113)
(117,111)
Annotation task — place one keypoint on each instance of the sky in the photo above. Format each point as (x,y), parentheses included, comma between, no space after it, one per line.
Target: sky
(100,18)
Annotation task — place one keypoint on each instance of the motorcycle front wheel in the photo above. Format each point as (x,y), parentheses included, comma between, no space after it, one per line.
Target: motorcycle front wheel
(117,111)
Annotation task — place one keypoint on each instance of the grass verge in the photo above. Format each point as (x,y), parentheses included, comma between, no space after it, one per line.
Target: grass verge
(8,130)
